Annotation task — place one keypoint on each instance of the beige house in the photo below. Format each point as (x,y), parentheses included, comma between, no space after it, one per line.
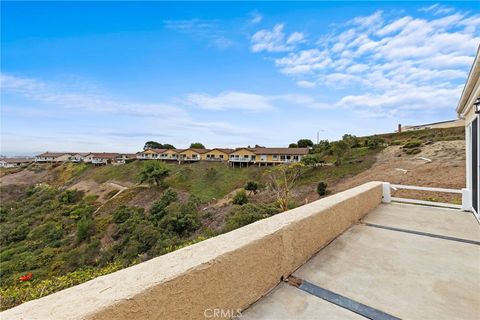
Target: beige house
(266,156)
(217,154)
(150,154)
(467,110)
(53,157)
(434,125)
(192,154)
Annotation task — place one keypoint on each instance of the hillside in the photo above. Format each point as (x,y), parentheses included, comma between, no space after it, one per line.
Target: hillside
(68,223)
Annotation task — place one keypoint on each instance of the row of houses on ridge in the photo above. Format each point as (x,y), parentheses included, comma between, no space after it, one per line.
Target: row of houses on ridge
(100,158)
(235,157)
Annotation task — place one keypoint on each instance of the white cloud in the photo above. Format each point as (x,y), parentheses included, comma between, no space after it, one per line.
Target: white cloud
(230,100)
(275,40)
(436,9)
(306,84)
(202,30)
(256,17)
(145,120)
(393,65)
(234,100)
(54,94)
(303,61)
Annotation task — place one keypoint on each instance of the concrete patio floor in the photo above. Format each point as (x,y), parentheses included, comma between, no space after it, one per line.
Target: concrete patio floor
(401,261)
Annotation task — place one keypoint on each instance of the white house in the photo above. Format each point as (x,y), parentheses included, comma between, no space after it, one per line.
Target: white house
(102,158)
(79,157)
(468,110)
(14,162)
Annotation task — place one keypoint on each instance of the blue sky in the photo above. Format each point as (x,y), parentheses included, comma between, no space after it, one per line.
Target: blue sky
(108,76)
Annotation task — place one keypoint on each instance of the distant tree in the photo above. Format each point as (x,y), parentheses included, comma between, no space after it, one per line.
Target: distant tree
(152,145)
(251,186)
(157,145)
(322,188)
(282,179)
(168,146)
(197,145)
(313,159)
(154,172)
(304,143)
(339,150)
(351,140)
(293,145)
(240,198)
(322,146)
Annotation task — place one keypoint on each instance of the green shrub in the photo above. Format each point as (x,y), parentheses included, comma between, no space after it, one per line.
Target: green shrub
(154,173)
(122,214)
(413,151)
(158,209)
(181,218)
(18,293)
(249,213)
(412,144)
(85,228)
(240,198)
(251,186)
(70,196)
(322,188)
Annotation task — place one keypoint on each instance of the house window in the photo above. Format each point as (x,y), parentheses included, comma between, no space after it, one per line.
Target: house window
(295,158)
(275,157)
(245,156)
(221,156)
(282,158)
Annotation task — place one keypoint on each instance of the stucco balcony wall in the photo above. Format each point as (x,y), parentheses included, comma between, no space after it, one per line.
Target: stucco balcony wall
(228,272)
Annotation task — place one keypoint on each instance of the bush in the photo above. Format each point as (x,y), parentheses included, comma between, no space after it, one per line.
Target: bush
(251,186)
(122,214)
(249,213)
(181,218)
(70,196)
(19,293)
(154,172)
(413,151)
(240,198)
(374,142)
(412,144)
(85,228)
(322,188)
(158,209)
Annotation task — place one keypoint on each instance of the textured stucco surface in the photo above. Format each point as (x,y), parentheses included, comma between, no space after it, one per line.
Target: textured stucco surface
(230,271)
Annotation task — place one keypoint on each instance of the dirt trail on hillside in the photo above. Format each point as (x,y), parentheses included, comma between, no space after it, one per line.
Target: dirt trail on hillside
(446,170)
